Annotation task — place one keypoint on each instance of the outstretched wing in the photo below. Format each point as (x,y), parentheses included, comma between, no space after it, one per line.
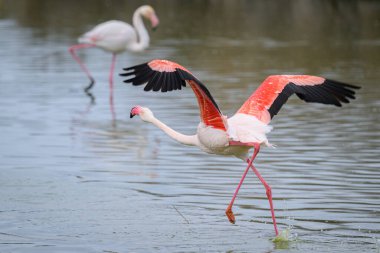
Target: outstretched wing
(167,76)
(269,97)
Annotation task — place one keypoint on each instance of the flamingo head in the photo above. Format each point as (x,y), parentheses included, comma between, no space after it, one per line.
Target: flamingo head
(148,12)
(145,113)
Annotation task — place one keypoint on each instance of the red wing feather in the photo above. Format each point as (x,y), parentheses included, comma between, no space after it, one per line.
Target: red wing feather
(167,76)
(209,114)
(269,97)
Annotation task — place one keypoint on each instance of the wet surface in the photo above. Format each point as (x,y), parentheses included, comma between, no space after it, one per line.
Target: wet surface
(72,179)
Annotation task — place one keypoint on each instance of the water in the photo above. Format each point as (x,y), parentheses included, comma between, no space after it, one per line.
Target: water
(74,180)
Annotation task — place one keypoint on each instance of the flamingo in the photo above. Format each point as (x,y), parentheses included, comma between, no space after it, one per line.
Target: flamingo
(116,36)
(247,129)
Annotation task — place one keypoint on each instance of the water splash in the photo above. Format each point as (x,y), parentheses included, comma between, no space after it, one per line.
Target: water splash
(285,238)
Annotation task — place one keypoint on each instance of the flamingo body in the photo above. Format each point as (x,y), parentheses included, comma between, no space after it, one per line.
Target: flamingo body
(247,129)
(113,36)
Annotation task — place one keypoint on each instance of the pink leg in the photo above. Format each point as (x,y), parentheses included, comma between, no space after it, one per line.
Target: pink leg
(83,67)
(269,195)
(111,85)
(112,70)
(229,212)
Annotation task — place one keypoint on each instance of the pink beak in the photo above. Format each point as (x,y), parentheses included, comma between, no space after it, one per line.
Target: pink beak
(154,21)
(135,111)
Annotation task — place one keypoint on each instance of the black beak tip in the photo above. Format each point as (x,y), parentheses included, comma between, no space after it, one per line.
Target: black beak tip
(131,115)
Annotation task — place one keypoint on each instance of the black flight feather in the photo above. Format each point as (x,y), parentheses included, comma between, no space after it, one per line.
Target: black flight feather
(329,92)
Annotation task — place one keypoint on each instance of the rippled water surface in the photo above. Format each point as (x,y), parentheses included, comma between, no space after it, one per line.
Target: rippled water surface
(72,179)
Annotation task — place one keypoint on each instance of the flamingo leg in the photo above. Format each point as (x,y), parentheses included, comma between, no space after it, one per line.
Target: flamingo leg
(111,85)
(268,192)
(72,50)
(229,212)
(112,70)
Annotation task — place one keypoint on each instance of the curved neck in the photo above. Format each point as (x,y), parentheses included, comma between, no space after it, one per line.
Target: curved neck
(191,140)
(142,34)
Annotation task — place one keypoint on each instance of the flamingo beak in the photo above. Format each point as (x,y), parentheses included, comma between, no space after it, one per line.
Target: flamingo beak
(154,21)
(135,111)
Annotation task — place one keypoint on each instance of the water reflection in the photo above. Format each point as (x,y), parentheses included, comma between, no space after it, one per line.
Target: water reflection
(74,180)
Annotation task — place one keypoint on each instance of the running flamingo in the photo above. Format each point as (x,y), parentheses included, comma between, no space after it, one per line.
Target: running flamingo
(117,36)
(235,136)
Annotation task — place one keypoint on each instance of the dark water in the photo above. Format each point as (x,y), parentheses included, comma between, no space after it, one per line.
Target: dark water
(74,180)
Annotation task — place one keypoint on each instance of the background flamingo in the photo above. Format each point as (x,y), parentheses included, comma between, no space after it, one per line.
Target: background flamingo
(117,36)
(247,129)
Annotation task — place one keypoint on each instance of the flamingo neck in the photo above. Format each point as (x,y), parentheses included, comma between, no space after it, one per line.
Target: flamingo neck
(142,34)
(191,140)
